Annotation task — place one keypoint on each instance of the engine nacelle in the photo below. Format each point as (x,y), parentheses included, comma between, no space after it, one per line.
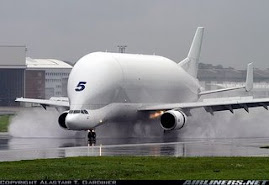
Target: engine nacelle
(173,120)
(62,121)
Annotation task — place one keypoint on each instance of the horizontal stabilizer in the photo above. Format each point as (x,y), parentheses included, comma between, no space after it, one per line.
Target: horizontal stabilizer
(248,85)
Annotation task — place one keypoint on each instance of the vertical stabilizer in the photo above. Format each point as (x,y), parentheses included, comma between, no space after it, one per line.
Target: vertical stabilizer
(190,64)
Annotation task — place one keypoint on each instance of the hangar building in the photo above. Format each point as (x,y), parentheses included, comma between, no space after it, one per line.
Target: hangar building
(31,78)
(12,67)
(46,78)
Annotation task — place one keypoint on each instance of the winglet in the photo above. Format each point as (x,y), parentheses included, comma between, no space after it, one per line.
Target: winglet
(249,79)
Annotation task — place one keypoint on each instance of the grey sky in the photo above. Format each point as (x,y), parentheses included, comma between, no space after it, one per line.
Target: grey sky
(236,31)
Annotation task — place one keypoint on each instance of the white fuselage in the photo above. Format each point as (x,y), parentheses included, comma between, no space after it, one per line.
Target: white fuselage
(126,78)
(100,80)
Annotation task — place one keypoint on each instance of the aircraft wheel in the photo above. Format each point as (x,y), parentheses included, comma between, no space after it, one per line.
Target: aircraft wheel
(91,135)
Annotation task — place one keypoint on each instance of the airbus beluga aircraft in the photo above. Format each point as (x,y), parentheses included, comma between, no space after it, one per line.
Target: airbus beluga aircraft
(116,87)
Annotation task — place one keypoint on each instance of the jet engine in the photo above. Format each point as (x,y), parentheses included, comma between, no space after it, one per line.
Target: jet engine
(173,120)
(61,120)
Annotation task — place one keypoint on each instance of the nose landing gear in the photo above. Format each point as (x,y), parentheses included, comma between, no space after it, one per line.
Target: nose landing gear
(91,136)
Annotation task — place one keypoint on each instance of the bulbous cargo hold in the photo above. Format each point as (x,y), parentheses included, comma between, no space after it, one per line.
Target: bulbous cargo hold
(99,79)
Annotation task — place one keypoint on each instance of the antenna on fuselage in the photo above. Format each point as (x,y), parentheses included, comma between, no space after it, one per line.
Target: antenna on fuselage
(122,48)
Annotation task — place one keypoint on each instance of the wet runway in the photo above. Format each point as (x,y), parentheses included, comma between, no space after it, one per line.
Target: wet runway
(14,149)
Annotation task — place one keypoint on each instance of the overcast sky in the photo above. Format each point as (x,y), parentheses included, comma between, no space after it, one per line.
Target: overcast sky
(236,31)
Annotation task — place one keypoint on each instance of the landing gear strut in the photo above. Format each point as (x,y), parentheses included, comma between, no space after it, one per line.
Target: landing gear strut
(91,136)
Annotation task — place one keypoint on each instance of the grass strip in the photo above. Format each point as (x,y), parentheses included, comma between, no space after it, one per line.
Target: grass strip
(145,168)
(4,122)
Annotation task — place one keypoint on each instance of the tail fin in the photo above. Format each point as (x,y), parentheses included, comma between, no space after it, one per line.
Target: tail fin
(190,64)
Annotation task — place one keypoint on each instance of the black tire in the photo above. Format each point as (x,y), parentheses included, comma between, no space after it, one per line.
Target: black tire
(94,135)
(89,135)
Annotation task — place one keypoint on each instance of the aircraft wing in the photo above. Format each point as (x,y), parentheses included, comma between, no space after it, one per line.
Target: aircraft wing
(54,101)
(211,106)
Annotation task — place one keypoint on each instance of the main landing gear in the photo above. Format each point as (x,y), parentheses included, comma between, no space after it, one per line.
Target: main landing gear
(91,137)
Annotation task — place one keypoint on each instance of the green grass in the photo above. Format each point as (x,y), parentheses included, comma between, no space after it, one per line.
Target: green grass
(4,122)
(117,168)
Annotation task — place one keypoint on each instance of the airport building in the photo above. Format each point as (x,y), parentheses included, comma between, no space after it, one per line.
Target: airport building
(31,78)
(46,78)
(12,67)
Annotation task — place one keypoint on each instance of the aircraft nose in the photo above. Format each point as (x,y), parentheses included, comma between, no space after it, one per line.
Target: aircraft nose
(80,120)
(71,120)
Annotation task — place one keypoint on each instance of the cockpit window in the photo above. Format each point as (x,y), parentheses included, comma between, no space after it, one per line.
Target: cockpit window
(78,112)
(84,112)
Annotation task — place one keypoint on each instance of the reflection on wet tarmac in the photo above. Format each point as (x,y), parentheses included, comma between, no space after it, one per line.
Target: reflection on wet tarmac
(41,143)
(13,149)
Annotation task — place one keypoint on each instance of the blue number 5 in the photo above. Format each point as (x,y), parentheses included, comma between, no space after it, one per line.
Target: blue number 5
(80,86)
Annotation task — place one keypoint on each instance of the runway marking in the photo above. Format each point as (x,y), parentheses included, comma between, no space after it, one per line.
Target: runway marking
(140,144)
